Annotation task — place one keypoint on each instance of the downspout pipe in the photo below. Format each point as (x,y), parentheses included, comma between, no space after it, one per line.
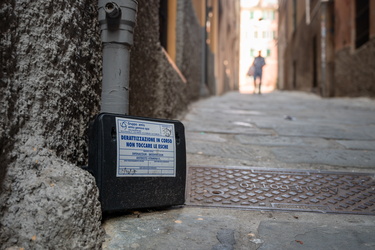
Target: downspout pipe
(323,45)
(117,21)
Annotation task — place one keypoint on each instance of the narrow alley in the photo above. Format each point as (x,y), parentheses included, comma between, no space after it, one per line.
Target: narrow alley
(283,135)
(293,168)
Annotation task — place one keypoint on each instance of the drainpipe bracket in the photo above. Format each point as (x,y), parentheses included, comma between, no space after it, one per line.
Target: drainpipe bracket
(118,29)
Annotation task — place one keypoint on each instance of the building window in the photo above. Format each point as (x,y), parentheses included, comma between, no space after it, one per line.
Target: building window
(264,15)
(362,22)
(268,52)
(268,15)
(256,34)
(251,14)
(266,34)
(253,53)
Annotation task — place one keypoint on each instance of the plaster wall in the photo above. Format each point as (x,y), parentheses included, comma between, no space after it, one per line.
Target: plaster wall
(349,71)
(343,24)
(299,56)
(228,47)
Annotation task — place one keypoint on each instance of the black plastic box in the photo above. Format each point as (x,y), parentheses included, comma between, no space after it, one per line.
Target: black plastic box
(137,162)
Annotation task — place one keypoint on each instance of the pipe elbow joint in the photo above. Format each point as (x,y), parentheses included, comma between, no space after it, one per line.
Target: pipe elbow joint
(112,10)
(117,20)
(113,15)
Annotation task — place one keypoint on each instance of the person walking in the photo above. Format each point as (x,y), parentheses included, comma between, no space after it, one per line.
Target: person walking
(258,64)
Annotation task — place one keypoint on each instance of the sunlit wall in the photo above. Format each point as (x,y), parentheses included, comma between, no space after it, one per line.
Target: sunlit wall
(258,33)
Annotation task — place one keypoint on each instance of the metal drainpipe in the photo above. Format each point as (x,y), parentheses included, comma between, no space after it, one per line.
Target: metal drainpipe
(117,20)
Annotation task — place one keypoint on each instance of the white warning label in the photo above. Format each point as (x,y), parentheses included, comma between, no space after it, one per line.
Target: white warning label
(145,148)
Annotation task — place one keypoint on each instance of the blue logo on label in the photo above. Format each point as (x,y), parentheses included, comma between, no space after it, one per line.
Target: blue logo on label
(124,125)
(167,132)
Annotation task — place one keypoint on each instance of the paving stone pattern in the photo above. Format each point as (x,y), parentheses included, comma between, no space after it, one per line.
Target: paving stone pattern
(243,206)
(283,130)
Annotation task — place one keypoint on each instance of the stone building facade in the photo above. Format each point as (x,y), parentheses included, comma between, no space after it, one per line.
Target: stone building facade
(220,24)
(319,49)
(259,33)
(50,85)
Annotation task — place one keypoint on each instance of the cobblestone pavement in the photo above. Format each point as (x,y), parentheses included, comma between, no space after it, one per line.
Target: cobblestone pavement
(279,130)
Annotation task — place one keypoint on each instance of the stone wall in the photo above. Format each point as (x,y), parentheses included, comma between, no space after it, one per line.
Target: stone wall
(354,67)
(355,71)
(156,87)
(49,91)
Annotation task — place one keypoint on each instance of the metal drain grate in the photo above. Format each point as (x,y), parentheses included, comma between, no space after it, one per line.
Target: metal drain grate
(275,189)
